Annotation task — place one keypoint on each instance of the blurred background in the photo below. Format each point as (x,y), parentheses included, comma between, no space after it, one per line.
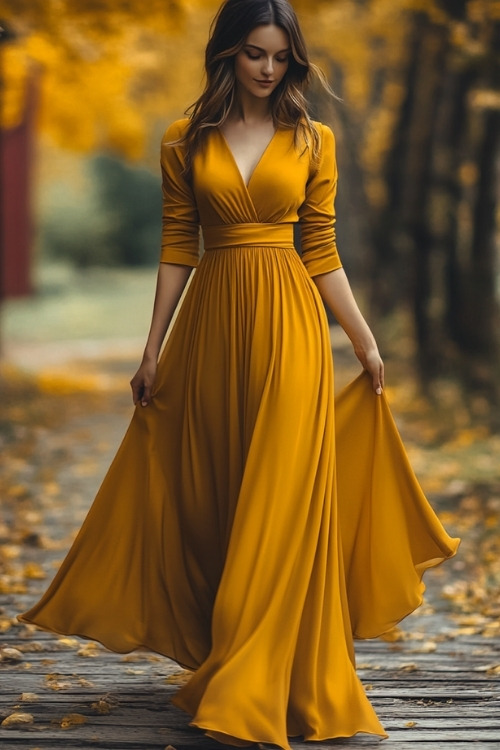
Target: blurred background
(88,87)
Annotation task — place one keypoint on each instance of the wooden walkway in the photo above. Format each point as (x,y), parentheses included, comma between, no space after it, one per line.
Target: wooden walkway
(78,695)
(436,685)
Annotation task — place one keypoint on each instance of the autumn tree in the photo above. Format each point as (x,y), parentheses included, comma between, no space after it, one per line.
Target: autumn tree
(108,70)
(438,218)
(418,134)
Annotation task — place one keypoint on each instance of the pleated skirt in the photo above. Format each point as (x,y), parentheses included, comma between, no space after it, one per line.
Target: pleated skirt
(244,529)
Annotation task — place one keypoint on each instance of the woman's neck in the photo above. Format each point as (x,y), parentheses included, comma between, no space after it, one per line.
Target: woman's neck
(249,109)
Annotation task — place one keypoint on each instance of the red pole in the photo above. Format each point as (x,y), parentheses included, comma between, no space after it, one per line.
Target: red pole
(16,147)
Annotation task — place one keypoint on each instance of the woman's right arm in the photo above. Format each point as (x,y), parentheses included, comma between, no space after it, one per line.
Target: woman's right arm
(172,278)
(179,254)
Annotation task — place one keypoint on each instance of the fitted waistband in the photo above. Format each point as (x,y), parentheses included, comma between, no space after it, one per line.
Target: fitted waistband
(238,235)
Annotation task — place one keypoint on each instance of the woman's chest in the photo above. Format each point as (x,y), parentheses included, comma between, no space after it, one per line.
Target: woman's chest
(275,188)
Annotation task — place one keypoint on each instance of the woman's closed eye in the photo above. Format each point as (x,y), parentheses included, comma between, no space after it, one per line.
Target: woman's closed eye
(257,55)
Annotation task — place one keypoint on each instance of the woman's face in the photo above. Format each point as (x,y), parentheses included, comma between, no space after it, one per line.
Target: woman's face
(263,60)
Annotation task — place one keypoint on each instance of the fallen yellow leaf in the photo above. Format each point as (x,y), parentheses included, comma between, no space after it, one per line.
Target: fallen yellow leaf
(34,572)
(32,647)
(393,635)
(468,631)
(5,624)
(491,630)
(7,653)
(85,683)
(89,651)
(473,619)
(55,683)
(11,551)
(428,647)
(178,678)
(408,667)
(488,668)
(68,642)
(132,657)
(72,720)
(11,587)
(17,718)
(104,704)
(28,697)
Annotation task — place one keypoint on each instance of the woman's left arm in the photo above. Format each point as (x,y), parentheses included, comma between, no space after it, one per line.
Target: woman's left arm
(336,292)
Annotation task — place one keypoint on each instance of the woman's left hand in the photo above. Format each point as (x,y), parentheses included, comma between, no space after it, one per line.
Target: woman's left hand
(336,292)
(373,364)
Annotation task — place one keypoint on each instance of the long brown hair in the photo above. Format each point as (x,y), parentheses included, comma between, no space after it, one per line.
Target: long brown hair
(229,30)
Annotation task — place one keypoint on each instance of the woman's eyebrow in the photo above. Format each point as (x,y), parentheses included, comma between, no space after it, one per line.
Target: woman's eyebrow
(261,49)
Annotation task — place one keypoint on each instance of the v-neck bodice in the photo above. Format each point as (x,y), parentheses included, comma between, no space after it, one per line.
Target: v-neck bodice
(257,163)
(285,187)
(222,195)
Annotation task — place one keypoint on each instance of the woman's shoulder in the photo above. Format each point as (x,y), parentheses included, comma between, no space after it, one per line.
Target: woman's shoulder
(175,130)
(325,132)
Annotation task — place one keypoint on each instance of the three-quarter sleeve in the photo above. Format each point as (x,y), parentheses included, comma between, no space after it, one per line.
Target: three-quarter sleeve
(180,220)
(317,213)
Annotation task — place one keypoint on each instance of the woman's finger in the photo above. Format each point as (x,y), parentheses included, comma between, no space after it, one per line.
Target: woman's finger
(146,395)
(137,390)
(377,373)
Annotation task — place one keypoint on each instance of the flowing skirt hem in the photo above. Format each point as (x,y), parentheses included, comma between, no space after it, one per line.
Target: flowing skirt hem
(135,647)
(226,738)
(421,568)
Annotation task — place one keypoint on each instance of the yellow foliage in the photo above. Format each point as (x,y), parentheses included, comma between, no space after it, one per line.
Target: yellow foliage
(16,67)
(104,73)
(494,9)
(110,71)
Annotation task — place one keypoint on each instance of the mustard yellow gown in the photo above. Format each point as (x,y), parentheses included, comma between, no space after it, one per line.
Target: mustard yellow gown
(240,530)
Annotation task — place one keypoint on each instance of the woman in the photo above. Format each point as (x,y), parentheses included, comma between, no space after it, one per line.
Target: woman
(216,538)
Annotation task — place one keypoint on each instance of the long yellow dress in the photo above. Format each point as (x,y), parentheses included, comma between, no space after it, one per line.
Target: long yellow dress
(216,537)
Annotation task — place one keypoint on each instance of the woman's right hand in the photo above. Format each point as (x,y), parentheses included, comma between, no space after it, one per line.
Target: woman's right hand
(143,381)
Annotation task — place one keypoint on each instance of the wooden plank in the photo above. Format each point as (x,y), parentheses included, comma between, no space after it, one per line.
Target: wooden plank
(97,736)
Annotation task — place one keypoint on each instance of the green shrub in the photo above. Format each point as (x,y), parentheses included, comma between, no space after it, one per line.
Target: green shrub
(117,221)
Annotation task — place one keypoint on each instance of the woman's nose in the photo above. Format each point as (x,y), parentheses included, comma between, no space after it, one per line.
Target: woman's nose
(268,67)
